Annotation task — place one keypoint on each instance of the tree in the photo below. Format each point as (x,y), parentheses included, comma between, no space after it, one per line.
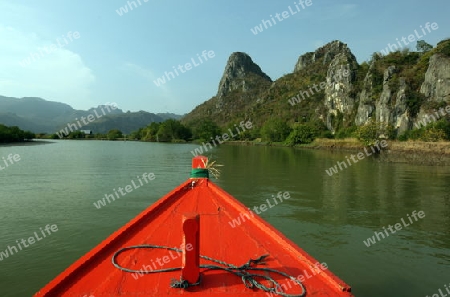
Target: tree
(136,134)
(370,132)
(114,134)
(204,129)
(433,134)
(14,134)
(304,133)
(150,132)
(423,47)
(275,130)
(173,130)
(367,133)
(76,135)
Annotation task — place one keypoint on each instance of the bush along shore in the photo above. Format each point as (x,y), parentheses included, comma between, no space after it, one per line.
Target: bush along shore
(412,152)
(428,144)
(14,134)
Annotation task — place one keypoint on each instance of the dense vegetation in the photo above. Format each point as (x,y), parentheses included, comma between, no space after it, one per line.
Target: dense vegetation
(275,120)
(274,130)
(14,134)
(114,134)
(265,104)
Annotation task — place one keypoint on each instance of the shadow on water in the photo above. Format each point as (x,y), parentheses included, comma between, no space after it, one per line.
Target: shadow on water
(26,143)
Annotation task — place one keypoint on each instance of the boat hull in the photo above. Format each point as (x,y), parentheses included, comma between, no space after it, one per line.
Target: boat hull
(94,275)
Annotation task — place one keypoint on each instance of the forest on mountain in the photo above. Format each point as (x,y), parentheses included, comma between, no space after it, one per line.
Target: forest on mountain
(398,96)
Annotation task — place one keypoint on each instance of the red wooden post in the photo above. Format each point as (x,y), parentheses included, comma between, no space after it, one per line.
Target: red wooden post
(191,252)
(199,167)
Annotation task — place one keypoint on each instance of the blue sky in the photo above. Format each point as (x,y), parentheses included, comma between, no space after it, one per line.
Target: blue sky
(117,58)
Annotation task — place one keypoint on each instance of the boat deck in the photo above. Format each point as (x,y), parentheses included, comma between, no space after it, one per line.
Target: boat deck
(161,224)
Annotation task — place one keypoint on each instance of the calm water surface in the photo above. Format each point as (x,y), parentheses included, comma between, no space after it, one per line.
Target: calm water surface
(329,217)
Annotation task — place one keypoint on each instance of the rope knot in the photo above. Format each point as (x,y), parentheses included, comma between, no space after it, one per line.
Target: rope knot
(179,284)
(257,261)
(249,281)
(246,272)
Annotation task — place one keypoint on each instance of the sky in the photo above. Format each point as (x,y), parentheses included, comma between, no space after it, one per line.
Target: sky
(87,53)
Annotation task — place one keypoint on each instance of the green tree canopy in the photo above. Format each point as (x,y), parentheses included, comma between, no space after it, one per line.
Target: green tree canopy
(205,129)
(173,130)
(302,134)
(275,130)
(114,134)
(14,134)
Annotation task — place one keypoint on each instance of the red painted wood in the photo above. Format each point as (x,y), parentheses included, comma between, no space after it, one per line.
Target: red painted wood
(199,162)
(93,274)
(191,248)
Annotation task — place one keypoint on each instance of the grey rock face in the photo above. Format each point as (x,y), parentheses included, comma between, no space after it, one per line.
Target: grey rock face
(383,105)
(339,82)
(328,52)
(436,86)
(401,116)
(366,105)
(390,108)
(238,67)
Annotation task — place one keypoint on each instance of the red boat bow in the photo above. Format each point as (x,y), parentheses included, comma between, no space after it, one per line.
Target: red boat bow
(184,244)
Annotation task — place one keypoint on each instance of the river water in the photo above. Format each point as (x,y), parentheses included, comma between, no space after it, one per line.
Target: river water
(331,217)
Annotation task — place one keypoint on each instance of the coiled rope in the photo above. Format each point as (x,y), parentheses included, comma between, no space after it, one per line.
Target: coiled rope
(249,279)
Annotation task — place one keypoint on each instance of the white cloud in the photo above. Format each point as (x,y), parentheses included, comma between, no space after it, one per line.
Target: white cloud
(57,75)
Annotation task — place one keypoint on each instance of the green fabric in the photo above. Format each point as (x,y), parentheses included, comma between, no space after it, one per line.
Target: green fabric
(199,172)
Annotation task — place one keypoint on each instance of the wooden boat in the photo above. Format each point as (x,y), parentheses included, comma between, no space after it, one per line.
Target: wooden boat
(185,244)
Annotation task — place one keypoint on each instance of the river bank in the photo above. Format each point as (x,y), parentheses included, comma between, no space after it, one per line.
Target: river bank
(414,152)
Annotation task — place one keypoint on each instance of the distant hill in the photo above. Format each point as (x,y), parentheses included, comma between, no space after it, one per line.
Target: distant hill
(42,116)
(167,116)
(125,122)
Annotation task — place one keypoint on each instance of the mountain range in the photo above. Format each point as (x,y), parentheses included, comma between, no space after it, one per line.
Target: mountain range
(40,116)
(327,88)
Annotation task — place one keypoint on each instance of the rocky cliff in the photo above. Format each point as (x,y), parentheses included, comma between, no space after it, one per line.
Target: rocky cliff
(329,86)
(239,67)
(239,88)
(436,86)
